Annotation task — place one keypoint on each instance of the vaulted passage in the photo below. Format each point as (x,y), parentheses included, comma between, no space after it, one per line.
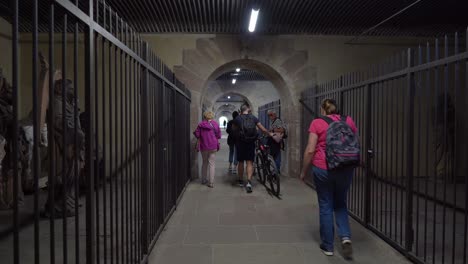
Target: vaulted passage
(120,141)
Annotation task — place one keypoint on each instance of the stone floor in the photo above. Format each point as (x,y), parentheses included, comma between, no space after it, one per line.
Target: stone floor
(226,225)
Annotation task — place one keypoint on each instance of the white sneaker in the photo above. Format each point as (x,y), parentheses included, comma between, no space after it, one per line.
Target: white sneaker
(347,248)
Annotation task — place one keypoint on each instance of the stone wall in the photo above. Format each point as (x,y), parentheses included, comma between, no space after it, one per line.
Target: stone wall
(291,63)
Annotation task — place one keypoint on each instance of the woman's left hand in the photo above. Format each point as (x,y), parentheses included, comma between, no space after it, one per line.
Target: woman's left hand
(302,176)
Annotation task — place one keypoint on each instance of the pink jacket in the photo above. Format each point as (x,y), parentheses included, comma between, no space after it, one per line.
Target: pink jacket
(208,134)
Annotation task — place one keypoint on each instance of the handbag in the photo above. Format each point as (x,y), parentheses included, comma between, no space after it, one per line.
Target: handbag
(278,137)
(214,131)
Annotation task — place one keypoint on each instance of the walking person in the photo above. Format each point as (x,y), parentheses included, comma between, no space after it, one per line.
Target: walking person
(276,142)
(247,125)
(232,143)
(333,150)
(208,133)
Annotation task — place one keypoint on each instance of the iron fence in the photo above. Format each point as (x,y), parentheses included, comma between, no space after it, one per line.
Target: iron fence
(263,112)
(412,188)
(91,182)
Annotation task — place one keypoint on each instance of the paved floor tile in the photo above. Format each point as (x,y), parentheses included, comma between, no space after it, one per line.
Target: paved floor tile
(226,225)
(257,254)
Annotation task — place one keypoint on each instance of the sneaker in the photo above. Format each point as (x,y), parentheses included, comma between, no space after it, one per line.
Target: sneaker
(204,182)
(249,187)
(326,251)
(347,248)
(240,183)
(234,172)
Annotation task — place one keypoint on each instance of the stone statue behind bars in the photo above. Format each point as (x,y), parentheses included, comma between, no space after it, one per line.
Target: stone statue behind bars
(66,128)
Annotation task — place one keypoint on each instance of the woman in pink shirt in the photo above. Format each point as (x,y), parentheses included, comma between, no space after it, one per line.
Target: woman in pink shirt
(332,186)
(208,134)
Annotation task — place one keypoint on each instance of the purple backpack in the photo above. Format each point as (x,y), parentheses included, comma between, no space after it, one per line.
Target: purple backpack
(342,145)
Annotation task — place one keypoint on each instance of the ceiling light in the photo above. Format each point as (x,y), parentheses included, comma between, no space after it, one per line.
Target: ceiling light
(229,97)
(238,70)
(234,81)
(253,20)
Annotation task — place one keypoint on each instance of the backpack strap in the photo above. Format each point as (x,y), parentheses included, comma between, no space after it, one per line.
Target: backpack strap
(344,118)
(327,119)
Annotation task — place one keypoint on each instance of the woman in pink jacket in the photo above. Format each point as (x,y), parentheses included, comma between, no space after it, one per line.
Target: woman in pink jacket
(208,134)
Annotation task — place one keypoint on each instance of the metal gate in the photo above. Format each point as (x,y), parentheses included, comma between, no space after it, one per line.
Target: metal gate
(412,187)
(91,182)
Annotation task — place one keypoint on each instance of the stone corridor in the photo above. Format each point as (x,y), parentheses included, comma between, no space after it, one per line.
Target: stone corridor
(226,225)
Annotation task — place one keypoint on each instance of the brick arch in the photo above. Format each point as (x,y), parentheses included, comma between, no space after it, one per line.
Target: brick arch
(287,68)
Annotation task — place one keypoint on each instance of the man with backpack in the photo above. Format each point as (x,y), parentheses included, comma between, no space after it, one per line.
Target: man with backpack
(246,125)
(333,150)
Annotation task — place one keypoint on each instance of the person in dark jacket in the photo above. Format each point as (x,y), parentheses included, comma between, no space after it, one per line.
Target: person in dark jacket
(232,143)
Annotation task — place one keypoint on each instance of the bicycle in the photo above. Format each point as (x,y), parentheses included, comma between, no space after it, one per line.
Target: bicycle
(266,167)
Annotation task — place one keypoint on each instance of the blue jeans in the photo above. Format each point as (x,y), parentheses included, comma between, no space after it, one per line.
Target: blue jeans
(233,155)
(278,161)
(332,191)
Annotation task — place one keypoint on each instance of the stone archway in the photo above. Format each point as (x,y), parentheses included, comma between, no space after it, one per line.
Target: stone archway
(287,68)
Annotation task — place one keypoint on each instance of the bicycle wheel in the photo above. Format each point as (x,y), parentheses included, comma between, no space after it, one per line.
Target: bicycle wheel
(259,168)
(273,176)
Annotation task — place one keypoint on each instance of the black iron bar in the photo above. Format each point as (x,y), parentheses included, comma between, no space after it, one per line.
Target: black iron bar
(445,146)
(89,84)
(388,153)
(436,81)
(104,72)
(37,130)
(96,139)
(112,67)
(51,138)
(426,185)
(117,147)
(75,140)
(453,154)
(121,142)
(64,138)
(410,97)
(465,231)
(418,95)
(368,128)
(127,152)
(380,149)
(16,183)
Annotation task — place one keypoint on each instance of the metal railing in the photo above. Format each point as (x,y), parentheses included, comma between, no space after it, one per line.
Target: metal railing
(412,189)
(103,185)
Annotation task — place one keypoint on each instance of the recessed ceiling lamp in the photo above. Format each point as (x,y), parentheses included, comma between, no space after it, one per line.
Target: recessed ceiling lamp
(253,19)
(229,97)
(238,70)
(234,81)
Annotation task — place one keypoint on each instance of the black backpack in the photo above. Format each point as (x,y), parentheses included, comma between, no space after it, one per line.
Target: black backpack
(248,130)
(342,145)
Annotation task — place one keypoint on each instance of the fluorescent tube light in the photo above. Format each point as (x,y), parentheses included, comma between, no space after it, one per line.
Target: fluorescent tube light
(253,20)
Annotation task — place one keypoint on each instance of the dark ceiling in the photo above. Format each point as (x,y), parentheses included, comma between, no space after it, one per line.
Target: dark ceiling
(243,75)
(317,17)
(341,17)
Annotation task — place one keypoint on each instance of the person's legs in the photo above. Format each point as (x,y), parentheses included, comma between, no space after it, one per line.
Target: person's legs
(204,166)
(235,156)
(249,170)
(277,158)
(324,187)
(342,183)
(211,167)
(231,156)
(240,171)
